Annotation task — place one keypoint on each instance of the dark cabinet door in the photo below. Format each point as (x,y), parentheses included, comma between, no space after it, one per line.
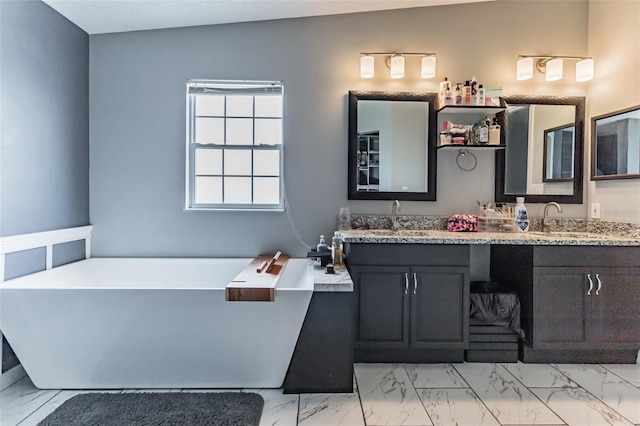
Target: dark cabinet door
(561,308)
(383,306)
(615,311)
(439,307)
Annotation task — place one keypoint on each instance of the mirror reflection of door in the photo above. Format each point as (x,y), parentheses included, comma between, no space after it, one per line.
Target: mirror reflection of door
(558,153)
(368,159)
(607,161)
(392,144)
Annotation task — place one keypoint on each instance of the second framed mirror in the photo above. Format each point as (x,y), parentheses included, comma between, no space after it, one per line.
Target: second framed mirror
(543,158)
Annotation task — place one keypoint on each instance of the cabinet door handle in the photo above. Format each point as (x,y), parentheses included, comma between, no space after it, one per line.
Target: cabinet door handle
(590,285)
(406,283)
(599,285)
(415,283)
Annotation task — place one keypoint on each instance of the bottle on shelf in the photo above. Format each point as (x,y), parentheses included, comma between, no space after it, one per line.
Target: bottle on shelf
(481,95)
(457,98)
(445,86)
(337,250)
(522,219)
(466,93)
(494,132)
(474,91)
(481,132)
(448,96)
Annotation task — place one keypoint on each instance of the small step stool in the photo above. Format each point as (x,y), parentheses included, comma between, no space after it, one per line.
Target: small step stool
(491,343)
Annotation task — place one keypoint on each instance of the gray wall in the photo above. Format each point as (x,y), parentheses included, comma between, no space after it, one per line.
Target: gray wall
(44,130)
(45,119)
(137,91)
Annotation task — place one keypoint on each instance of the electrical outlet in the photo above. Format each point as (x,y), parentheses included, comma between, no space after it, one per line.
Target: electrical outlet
(595,210)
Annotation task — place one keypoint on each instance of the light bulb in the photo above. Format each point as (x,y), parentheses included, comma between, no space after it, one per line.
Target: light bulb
(584,70)
(524,69)
(428,67)
(397,66)
(554,69)
(366,66)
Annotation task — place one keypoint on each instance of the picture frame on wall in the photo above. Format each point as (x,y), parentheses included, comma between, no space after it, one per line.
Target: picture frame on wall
(615,145)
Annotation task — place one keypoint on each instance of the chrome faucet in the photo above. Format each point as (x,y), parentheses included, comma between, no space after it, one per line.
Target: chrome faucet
(546,225)
(395,207)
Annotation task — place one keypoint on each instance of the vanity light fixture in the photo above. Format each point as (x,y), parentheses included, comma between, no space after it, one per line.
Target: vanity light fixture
(552,67)
(396,63)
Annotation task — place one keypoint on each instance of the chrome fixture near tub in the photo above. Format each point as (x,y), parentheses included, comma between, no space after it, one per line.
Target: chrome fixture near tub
(546,225)
(395,207)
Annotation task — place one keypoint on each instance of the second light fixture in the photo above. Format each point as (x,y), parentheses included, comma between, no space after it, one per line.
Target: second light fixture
(552,67)
(396,64)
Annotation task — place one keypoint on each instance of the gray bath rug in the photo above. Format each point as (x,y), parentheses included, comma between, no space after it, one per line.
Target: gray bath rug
(159,409)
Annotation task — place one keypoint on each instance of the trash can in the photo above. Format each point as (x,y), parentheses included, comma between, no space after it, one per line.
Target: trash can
(494,324)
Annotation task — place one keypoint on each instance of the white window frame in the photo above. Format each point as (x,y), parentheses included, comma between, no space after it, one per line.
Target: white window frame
(199,87)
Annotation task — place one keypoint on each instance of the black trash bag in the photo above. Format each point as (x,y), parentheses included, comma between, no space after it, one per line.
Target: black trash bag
(485,287)
(501,309)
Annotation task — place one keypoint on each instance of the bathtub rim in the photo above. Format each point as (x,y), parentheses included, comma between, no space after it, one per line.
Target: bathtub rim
(29,281)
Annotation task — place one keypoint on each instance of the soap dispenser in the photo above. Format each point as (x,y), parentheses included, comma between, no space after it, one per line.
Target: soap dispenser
(322,245)
(320,248)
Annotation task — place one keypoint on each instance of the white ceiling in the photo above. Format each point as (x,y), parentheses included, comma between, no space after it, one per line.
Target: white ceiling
(109,16)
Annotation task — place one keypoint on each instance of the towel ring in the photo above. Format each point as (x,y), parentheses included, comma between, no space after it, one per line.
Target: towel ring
(463,153)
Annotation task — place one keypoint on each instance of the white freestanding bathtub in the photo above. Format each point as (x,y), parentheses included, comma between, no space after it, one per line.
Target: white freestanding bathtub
(152,323)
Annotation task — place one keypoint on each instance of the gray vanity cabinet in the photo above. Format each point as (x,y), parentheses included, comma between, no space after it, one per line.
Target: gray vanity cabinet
(615,311)
(440,307)
(412,302)
(558,324)
(601,314)
(383,306)
(579,303)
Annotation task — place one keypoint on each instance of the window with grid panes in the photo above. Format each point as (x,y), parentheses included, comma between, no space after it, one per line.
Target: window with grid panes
(234,145)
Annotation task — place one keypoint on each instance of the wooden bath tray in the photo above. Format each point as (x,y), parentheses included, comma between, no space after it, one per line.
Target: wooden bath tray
(257,282)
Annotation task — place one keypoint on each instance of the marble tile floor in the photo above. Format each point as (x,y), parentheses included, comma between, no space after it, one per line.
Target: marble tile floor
(474,394)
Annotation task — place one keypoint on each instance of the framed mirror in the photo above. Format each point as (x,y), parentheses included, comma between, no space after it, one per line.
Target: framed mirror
(615,145)
(391,151)
(543,158)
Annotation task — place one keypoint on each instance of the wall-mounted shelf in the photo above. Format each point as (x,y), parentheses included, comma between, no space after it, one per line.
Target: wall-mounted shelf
(467,115)
(471,109)
(480,147)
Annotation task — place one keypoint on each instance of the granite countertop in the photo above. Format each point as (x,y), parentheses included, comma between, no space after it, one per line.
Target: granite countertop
(436,236)
(340,281)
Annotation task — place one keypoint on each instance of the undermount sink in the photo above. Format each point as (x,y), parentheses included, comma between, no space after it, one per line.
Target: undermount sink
(570,235)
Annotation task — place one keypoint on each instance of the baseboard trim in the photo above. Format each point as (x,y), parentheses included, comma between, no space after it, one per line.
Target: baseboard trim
(11,376)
